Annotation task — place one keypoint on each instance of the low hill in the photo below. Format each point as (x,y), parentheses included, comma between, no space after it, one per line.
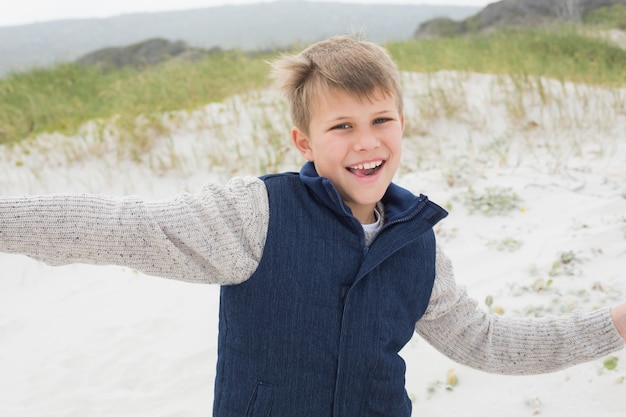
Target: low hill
(143,54)
(516,13)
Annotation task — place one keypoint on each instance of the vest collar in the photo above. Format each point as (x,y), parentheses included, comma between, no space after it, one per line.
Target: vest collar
(399,203)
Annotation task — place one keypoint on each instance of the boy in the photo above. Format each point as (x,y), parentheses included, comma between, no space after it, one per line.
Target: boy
(325,273)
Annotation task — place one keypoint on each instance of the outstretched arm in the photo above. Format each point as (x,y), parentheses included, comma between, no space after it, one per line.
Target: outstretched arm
(455,325)
(215,236)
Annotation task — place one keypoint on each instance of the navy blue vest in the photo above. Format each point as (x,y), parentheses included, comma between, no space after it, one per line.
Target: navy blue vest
(316,330)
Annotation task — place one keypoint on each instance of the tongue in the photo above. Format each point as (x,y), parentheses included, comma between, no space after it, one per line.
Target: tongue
(363,172)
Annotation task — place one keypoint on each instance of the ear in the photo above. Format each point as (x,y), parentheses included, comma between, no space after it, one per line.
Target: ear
(302,142)
(402,122)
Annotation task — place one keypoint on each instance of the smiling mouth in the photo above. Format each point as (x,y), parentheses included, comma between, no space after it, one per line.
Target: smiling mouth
(367,169)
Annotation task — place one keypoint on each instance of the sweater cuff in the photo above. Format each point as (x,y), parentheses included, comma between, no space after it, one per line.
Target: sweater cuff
(598,332)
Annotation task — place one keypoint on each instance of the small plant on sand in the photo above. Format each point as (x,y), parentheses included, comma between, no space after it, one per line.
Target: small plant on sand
(534,404)
(492,201)
(450,382)
(493,308)
(509,244)
(565,264)
(610,363)
(610,366)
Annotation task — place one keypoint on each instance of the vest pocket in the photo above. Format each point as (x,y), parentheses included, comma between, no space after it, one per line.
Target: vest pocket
(260,404)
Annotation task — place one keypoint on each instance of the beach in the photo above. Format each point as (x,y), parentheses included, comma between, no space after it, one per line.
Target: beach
(532,172)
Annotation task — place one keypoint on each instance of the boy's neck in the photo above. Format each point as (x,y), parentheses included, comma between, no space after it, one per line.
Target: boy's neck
(365,215)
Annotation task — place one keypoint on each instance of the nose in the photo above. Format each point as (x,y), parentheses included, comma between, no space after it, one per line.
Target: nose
(365,140)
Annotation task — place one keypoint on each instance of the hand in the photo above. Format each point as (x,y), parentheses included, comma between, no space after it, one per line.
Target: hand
(618,314)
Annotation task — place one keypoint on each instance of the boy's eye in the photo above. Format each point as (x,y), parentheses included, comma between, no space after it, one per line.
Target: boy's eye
(376,121)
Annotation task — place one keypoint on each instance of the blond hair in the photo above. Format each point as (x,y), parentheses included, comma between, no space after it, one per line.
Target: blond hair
(357,67)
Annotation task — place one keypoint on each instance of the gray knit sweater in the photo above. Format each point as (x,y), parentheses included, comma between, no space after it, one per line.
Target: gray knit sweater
(217,237)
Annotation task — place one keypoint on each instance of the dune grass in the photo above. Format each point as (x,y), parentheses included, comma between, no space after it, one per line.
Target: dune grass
(64,97)
(563,54)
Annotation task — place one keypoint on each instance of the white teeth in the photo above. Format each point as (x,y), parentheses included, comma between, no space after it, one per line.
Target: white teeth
(367,165)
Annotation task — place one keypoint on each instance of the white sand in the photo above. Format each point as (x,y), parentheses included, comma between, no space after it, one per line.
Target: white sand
(106,341)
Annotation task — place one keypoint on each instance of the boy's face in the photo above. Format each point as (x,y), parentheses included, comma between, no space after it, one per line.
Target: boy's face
(356,145)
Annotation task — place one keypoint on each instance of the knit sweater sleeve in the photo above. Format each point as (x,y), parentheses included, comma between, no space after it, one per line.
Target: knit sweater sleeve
(214,236)
(455,326)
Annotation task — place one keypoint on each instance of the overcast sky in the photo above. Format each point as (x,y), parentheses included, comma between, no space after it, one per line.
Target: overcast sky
(19,12)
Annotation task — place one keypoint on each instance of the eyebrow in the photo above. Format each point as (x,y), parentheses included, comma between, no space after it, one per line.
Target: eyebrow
(339,118)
